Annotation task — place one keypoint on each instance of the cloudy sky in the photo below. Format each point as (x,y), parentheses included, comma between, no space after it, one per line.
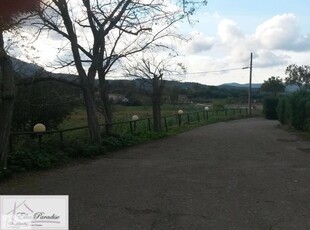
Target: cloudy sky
(276,31)
(225,33)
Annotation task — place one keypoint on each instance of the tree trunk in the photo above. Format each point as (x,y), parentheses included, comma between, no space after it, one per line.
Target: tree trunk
(93,124)
(107,111)
(156,102)
(7,98)
(157,114)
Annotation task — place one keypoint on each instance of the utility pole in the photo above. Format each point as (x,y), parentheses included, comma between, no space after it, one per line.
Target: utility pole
(250,87)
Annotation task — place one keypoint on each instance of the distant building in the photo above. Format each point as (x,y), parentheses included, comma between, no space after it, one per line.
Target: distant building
(118,98)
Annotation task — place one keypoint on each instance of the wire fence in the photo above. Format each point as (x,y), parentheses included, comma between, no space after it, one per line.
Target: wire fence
(19,139)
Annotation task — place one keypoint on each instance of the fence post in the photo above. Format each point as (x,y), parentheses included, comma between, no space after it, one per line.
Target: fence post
(149,124)
(166,126)
(188,118)
(40,139)
(180,119)
(198,117)
(130,124)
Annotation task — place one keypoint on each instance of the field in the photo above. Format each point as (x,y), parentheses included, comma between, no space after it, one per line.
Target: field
(124,113)
(74,127)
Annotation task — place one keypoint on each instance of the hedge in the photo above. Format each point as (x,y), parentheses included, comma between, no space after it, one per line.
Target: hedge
(294,110)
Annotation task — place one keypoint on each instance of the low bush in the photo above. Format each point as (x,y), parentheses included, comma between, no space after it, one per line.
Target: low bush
(93,150)
(116,142)
(38,159)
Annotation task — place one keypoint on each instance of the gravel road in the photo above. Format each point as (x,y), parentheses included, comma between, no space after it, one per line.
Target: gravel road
(245,174)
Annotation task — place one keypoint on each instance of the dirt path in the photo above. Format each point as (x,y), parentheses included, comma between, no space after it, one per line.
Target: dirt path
(246,174)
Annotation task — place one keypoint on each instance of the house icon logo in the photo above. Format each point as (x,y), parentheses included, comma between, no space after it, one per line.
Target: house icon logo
(34,212)
(20,212)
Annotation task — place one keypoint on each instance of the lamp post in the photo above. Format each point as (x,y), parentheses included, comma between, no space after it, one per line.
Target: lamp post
(180,112)
(134,118)
(39,129)
(207,112)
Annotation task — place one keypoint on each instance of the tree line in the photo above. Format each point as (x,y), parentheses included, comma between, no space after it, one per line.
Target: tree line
(295,75)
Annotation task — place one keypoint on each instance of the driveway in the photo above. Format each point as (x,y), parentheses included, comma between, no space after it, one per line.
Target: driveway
(245,174)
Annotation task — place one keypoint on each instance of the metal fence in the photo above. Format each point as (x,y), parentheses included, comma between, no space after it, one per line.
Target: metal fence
(124,127)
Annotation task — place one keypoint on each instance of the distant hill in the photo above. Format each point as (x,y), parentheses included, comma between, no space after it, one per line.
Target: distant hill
(237,85)
(256,86)
(25,69)
(29,72)
(30,69)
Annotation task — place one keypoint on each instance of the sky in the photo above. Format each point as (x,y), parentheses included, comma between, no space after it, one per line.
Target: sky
(277,32)
(225,33)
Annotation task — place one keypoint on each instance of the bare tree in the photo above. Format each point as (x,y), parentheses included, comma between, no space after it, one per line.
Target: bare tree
(101,34)
(8,11)
(154,70)
(189,7)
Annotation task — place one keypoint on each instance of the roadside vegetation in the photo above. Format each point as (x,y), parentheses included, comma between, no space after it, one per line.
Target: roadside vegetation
(30,154)
(291,109)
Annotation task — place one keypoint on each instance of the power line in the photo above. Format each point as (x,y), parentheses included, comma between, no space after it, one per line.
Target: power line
(194,73)
(211,71)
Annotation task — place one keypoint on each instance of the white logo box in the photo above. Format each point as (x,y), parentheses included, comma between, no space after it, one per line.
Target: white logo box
(34,212)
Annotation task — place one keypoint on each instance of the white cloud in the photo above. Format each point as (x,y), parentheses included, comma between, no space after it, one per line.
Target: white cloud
(199,43)
(278,32)
(228,31)
(282,32)
(275,34)
(265,58)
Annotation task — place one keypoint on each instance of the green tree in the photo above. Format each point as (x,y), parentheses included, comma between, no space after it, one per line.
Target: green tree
(33,105)
(273,85)
(298,75)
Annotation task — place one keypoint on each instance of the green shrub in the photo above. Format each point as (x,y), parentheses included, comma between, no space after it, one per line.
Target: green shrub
(74,149)
(270,107)
(300,110)
(116,142)
(93,150)
(284,110)
(146,136)
(38,159)
(295,110)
